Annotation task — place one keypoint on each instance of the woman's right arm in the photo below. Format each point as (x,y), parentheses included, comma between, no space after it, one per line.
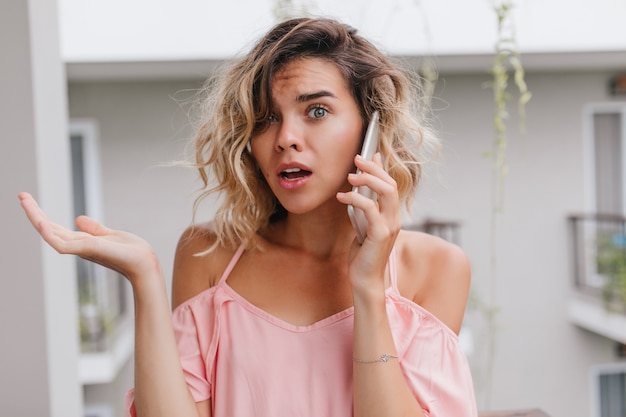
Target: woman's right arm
(160,388)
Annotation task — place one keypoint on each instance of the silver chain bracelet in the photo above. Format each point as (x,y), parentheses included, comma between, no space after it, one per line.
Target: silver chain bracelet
(383,358)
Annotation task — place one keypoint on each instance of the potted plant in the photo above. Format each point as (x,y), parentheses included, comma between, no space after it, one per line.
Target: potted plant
(611,263)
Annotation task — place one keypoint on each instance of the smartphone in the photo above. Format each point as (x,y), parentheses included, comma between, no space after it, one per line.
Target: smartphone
(369,149)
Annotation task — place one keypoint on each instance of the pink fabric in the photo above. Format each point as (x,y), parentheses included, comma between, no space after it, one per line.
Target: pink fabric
(253,364)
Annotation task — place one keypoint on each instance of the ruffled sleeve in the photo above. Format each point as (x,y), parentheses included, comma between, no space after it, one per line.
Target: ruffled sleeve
(432,361)
(194,326)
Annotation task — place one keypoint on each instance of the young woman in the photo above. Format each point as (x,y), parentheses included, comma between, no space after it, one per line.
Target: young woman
(278,310)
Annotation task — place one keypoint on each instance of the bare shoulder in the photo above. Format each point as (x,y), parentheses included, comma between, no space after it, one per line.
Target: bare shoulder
(435,274)
(195,269)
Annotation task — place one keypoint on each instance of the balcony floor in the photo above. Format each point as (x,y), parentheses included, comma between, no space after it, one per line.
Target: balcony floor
(590,314)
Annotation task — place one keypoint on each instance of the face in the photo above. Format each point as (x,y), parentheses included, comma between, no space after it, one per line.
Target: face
(315,131)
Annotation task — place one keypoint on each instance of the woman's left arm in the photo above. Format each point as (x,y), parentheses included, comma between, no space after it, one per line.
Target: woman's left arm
(443,273)
(380,388)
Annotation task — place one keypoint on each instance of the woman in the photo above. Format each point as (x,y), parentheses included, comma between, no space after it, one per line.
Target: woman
(278,310)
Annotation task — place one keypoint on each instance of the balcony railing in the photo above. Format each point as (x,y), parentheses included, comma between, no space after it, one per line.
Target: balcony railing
(599,253)
(448,230)
(598,303)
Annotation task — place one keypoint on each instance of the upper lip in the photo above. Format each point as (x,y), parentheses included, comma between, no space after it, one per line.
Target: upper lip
(290,166)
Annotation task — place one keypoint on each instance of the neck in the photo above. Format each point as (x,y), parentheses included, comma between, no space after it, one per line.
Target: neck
(322,235)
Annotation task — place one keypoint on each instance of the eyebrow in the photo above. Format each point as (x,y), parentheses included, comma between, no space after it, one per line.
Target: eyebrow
(314,96)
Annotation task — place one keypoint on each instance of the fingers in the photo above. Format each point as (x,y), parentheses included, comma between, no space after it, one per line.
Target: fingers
(378,180)
(58,237)
(383,216)
(34,213)
(61,239)
(91,226)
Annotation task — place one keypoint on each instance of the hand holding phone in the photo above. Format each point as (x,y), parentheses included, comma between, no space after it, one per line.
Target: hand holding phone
(369,149)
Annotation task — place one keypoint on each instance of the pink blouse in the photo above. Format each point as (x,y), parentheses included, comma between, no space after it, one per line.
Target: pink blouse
(251,363)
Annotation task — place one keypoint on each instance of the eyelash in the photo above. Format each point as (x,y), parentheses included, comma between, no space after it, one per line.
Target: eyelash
(273,118)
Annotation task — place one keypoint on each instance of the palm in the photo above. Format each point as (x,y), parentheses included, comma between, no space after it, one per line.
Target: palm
(121,251)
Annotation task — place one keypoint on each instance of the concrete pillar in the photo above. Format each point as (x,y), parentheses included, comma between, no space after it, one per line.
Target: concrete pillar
(38,302)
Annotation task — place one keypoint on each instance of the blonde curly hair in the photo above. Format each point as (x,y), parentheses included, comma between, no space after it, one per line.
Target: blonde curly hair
(237,105)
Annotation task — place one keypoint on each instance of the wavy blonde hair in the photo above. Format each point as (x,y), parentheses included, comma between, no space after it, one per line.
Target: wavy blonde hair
(237,104)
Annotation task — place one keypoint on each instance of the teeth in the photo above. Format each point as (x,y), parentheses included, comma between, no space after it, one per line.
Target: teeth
(290,170)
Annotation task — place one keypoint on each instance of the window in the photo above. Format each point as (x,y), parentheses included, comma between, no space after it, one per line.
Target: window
(102,293)
(606,146)
(609,390)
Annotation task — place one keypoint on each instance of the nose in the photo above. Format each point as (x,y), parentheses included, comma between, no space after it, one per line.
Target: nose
(290,135)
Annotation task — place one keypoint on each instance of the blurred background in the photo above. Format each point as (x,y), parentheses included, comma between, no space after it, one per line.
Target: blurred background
(95,109)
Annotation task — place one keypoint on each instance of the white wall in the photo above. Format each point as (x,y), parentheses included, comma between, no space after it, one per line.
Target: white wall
(38,316)
(139,30)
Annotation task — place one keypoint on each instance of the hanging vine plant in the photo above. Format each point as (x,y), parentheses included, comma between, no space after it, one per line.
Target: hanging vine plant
(506,62)
(287,9)
(507,57)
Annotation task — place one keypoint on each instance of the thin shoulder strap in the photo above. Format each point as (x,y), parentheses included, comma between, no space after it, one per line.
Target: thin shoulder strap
(232,263)
(393,270)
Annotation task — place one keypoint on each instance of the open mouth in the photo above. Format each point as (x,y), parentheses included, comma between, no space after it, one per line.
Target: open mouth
(292,174)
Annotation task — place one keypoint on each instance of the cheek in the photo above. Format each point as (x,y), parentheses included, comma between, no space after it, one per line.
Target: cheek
(352,146)
(344,155)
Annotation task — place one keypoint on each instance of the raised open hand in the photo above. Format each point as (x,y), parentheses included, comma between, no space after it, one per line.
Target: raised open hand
(120,251)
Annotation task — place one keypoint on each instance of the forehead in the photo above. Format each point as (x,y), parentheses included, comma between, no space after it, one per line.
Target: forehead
(303,74)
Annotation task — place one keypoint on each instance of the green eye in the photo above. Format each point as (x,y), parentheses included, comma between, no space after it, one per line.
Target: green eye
(317,112)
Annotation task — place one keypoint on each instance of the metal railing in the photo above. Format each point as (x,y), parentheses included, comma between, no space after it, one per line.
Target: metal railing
(447,230)
(599,255)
